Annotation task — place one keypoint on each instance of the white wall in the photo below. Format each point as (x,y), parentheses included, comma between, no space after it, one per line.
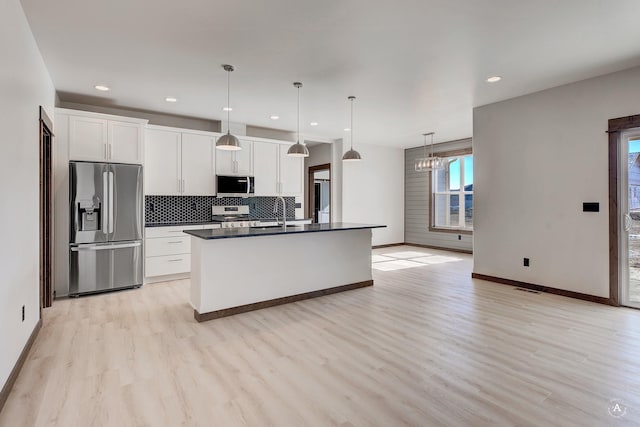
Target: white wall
(24,84)
(373,191)
(537,158)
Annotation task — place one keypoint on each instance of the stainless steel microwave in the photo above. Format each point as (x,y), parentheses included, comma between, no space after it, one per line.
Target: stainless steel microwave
(234,186)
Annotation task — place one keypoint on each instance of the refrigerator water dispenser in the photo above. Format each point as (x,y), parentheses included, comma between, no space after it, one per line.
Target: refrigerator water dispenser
(89,216)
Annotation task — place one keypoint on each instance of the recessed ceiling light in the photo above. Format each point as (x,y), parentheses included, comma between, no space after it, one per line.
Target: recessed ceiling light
(227,109)
(347,129)
(314,123)
(171,99)
(494,79)
(274,117)
(102,88)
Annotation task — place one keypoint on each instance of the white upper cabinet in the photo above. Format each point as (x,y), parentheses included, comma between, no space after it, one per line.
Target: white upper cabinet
(291,171)
(275,172)
(87,138)
(162,162)
(124,142)
(235,162)
(197,165)
(265,168)
(178,163)
(94,137)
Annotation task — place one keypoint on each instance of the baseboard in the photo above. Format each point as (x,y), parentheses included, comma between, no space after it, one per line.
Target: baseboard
(203,317)
(540,288)
(440,248)
(390,245)
(4,394)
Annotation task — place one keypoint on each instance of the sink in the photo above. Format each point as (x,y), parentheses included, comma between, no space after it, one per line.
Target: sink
(271,227)
(265,227)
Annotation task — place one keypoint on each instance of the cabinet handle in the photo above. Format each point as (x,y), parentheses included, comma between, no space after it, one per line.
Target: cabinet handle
(106,156)
(176,242)
(174,260)
(109,151)
(183,186)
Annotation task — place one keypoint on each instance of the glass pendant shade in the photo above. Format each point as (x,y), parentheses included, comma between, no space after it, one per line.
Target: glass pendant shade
(351,155)
(431,162)
(228,142)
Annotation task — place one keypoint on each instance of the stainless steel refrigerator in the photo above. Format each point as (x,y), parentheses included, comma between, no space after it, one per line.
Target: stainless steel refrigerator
(105,250)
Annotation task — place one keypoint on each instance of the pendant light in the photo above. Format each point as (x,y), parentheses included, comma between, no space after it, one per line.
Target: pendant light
(228,142)
(297,149)
(431,162)
(351,155)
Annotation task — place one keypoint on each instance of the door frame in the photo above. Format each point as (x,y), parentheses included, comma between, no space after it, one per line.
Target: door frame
(312,191)
(616,127)
(46,209)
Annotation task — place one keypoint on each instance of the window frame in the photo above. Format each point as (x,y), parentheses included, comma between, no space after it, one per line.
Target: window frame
(439,229)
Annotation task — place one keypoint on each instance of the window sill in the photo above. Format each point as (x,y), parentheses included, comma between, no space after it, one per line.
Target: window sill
(450,230)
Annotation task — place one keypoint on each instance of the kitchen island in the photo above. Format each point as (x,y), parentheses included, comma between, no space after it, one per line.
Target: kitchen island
(244,269)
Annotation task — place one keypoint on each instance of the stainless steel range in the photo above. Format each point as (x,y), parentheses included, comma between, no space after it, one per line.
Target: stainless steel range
(233,216)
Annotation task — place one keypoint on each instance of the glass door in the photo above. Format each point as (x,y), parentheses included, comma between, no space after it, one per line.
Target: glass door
(630,218)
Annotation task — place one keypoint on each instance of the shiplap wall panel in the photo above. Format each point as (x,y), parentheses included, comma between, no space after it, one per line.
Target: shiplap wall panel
(416,208)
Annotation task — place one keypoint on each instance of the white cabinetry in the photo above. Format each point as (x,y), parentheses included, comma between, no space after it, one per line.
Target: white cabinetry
(179,163)
(275,172)
(102,138)
(168,250)
(290,170)
(265,168)
(238,162)
(162,162)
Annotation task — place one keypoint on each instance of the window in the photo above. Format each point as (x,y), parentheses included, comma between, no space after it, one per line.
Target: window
(452,194)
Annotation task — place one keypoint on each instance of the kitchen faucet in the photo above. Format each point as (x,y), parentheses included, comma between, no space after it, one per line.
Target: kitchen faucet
(284,210)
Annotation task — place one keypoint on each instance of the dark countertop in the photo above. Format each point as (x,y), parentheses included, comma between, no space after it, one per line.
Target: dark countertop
(172,224)
(226,233)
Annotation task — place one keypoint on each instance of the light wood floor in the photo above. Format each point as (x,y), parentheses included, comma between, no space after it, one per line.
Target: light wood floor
(425,346)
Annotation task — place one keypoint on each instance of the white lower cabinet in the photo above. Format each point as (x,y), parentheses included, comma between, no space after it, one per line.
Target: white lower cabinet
(169,264)
(168,250)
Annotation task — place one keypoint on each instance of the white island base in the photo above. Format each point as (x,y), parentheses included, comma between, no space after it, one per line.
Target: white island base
(235,275)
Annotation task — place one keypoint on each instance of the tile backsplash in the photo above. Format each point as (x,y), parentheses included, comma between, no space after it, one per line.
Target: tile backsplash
(167,209)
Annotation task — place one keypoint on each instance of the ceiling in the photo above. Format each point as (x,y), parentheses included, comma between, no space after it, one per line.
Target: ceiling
(414,65)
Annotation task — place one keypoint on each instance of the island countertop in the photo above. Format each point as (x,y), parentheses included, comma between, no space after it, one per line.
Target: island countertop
(226,233)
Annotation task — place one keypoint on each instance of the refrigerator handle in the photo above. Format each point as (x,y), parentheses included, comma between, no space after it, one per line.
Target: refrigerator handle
(103,247)
(105,201)
(110,228)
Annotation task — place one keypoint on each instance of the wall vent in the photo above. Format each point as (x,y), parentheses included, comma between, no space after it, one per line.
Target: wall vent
(531,291)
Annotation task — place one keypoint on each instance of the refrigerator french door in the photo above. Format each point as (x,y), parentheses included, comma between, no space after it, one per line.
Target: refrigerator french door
(105,251)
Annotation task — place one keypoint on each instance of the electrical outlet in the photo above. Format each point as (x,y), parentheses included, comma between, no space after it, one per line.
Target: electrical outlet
(526,262)
(23,313)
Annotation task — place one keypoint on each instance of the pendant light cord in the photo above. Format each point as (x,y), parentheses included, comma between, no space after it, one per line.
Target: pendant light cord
(432,144)
(228,101)
(352,123)
(298,141)
(424,147)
